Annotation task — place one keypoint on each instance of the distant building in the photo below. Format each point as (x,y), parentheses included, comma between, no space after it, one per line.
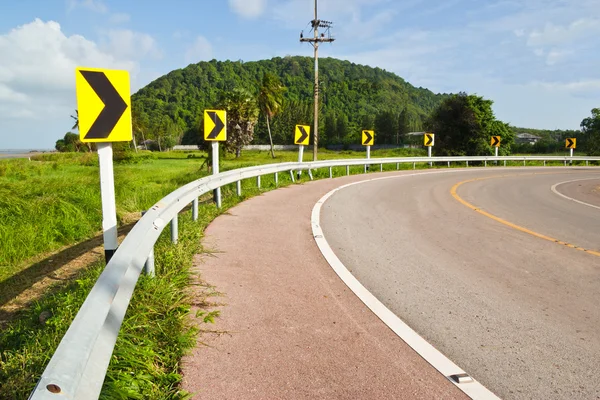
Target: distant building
(526,138)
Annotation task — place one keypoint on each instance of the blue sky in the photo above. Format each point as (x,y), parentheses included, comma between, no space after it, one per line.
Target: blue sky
(538,60)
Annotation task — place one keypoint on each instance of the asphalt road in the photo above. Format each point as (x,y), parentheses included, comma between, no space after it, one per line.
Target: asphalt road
(518,312)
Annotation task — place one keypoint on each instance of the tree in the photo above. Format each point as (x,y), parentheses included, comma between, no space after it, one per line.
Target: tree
(270,100)
(386,127)
(242,116)
(590,127)
(76,118)
(463,126)
(403,126)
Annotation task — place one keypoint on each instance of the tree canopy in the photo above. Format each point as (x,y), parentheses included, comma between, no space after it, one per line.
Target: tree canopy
(464,124)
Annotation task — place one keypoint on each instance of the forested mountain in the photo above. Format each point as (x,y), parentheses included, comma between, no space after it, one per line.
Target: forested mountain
(352,97)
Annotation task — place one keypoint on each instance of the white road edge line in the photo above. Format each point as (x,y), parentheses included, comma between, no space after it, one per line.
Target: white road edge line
(553,188)
(440,362)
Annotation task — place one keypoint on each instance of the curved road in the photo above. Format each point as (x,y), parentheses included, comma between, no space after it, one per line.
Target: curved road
(478,274)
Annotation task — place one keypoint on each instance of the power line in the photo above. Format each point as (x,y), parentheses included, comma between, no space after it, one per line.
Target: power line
(315,41)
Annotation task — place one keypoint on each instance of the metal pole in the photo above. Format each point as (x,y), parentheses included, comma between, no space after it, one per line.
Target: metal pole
(467,163)
(368,158)
(175,229)
(397,165)
(300,157)
(448,164)
(195,209)
(505,163)
(571,153)
(414,165)
(316,111)
(292,176)
(276,178)
(485,163)
(330,172)
(380,167)
(149,264)
(239,188)
(310,174)
(215,159)
(107,194)
(496,155)
(429,155)
(347,170)
(258,181)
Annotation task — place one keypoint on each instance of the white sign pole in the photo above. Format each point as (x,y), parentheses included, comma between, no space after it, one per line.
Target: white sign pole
(368,158)
(300,158)
(496,152)
(429,155)
(107,193)
(215,166)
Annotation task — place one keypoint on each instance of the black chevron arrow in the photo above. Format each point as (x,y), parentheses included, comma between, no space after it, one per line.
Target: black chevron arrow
(429,139)
(114,105)
(219,125)
(495,140)
(570,143)
(369,137)
(304,134)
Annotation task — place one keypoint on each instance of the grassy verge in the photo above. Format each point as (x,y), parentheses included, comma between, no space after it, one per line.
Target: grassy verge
(155,334)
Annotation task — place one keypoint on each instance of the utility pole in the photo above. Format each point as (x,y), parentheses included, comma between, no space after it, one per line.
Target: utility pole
(316,24)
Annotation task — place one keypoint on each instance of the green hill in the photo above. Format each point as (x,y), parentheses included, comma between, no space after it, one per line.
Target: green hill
(353,97)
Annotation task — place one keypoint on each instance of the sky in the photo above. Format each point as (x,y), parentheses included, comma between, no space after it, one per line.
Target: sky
(538,60)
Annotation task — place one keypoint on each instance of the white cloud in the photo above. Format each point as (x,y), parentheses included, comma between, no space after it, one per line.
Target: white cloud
(552,35)
(200,50)
(119,18)
(93,5)
(125,43)
(248,8)
(37,79)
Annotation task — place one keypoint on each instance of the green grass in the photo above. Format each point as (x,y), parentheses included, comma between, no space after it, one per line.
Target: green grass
(54,200)
(154,336)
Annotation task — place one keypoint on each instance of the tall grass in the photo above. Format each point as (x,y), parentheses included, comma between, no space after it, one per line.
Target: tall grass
(154,336)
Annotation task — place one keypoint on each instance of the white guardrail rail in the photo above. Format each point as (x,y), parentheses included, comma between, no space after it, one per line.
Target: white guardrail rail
(78,367)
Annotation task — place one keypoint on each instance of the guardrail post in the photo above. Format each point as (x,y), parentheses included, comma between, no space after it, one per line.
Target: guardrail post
(485,163)
(414,165)
(544,163)
(524,162)
(565,162)
(149,264)
(347,170)
(310,174)
(292,176)
(380,167)
(467,163)
(258,181)
(397,165)
(195,209)
(175,229)
(276,178)
(448,164)
(330,172)
(365,168)
(238,185)
(505,163)
(586,163)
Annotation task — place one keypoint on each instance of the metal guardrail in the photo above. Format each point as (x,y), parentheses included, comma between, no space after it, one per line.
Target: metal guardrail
(78,367)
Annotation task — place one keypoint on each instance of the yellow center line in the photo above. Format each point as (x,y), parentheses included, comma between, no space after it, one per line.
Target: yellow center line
(510,224)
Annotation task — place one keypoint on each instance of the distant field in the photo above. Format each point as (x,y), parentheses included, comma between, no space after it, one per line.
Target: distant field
(54,199)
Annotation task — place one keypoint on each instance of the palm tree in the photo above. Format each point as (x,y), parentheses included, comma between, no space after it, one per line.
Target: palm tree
(270,99)
(76,118)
